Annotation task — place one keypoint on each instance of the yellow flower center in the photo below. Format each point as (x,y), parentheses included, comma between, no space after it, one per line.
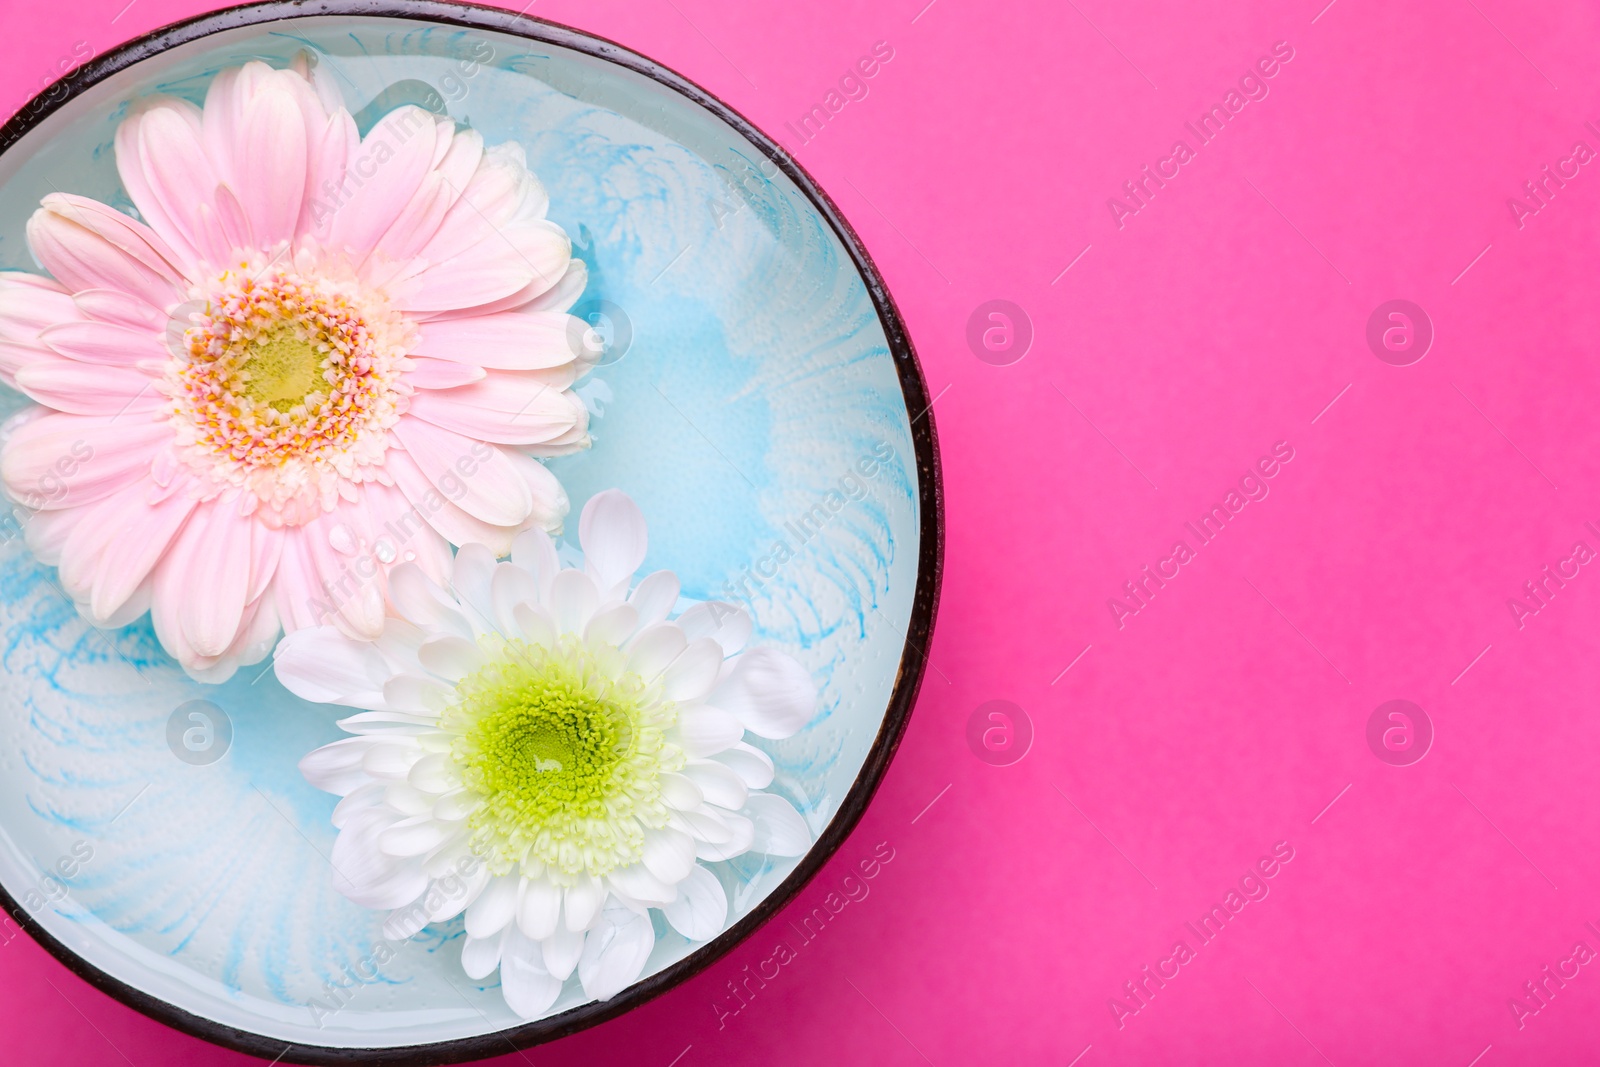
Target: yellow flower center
(566,752)
(287,386)
(283,370)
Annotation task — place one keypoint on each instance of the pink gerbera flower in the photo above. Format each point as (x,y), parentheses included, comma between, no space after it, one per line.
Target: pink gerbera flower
(318,356)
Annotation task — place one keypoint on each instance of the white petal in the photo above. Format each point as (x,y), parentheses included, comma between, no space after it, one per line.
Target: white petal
(535,624)
(654,596)
(612,626)
(561,951)
(669,854)
(480,956)
(529,988)
(573,598)
(510,586)
(434,774)
(728,624)
(583,902)
(653,650)
(323,666)
(414,836)
(703,730)
(379,723)
(409,802)
(450,657)
(614,539)
(701,910)
(495,907)
(742,832)
(366,875)
(455,806)
(471,578)
(540,908)
(680,792)
(336,768)
(694,672)
(615,953)
(535,553)
(720,783)
(423,697)
(780,831)
(751,764)
(708,825)
(638,883)
(363,798)
(769,693)
(392,758)
(456,896)
(422,602)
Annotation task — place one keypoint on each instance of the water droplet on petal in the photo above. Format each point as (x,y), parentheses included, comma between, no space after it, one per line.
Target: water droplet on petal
(342,540)
(410,556)
(384,551)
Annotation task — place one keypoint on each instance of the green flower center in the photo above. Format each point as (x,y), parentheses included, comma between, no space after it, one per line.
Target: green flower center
(565,751)
(282,370)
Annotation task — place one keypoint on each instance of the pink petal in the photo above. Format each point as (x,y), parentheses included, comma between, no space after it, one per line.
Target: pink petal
(82,258)
(350,583)
(266,548)
(85,543)
(550,503)
(13,357)
(206,574)
(405,530)
(490,200)
(508,408)
(82,389)
(455,525)
(506,262)
(168,175)
(258,635)
(144,533)
(269,162)
(479,478)
(565,293)
(29,303)
(331,149)
(417,225)
(138,241)
(442,374)
(62,461)
(104,343)
(120,308)
(510,340)
(390,165)
(47,532)
(294,589)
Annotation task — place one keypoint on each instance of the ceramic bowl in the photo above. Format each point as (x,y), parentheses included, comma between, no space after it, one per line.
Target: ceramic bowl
(155,834)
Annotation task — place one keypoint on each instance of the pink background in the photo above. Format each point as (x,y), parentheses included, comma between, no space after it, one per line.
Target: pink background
(1228,713)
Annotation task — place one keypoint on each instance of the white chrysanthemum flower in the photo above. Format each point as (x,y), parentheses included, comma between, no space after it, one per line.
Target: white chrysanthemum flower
(552,733)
